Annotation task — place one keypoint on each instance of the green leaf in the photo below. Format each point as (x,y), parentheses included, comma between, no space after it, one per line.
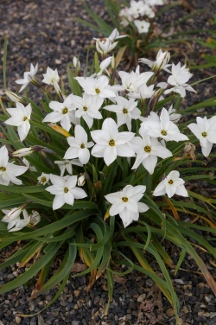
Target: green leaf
(32,271)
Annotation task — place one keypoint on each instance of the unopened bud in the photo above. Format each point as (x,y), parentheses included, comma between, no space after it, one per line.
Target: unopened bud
(14,97)
(22,152)
(76,63)
(81,180)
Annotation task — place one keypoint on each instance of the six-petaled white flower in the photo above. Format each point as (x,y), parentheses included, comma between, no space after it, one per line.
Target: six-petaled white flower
(62,112)
(65,190)
(180,75)
(110,143)
(9,171)
(147,150)
(79,145)
(126,110)
(43,179)
(20,117)
(160,63)
(107,44)
(164,128)
(170,185)
(126,203)
(97,87)
(142,26)
(28,77)
(87,107)
(51,77)
(205,131)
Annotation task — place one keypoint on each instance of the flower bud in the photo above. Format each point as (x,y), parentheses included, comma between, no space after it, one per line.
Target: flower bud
(81,180)
(14,97)
(22,152)
(76,63)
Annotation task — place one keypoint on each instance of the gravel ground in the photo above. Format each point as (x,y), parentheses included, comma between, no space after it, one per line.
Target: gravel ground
(46,32)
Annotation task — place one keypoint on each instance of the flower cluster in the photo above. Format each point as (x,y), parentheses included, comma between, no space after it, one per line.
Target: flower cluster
(139,12)
(115,118)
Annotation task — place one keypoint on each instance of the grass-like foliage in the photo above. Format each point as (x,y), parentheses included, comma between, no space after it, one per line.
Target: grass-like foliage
(105,169)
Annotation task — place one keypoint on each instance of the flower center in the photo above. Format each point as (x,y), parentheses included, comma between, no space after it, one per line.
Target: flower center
(163,132)
(85,108)
(170,181)
(204,134)
(124,199)
(66,189)
(112,142)
(82,146)
(97,91)
(147,149)
(125,111)
(3,169)
(43,179)
(65,110)
(25,118)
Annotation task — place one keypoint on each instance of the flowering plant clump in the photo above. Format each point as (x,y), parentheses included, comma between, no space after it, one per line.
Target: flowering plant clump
(105,165)
(139,21)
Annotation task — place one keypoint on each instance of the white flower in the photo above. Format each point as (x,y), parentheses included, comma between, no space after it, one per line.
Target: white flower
(143,92)
(28,77)
(160,63)
(133,80)
(88,108)
(65,190)
(180,75)
(43,179)
(205,131)
(110,143)
(79,145)
(142,26)
(126,16)
(107,44)
(51,77)
(164,128)
(171,185)
(125,109)
(97,87)
(138,8)
(126,203)
(20,117)
(63,113)
(67,165)
(9,171)
(12,217)
(147,150)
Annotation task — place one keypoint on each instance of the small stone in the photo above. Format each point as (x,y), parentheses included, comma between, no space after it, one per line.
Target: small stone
(141,298)
(76,293)
(170,312)
(212,315)
(149,282)
(17,320)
